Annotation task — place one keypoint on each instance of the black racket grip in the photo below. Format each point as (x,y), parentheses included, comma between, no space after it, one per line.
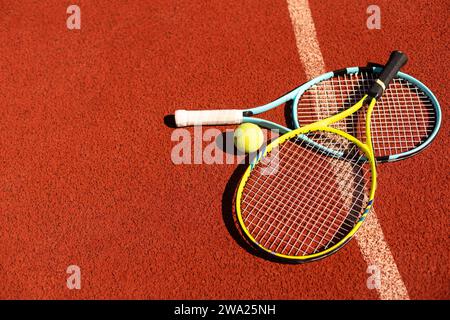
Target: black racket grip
(397,60)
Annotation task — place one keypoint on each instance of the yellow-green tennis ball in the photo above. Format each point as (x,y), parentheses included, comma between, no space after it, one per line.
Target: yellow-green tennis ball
(248,137)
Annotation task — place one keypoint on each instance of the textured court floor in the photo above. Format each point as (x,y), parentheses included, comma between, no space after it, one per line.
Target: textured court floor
(86,174)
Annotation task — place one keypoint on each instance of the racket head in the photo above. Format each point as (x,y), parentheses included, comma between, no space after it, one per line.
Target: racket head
(276,211)
(405,122)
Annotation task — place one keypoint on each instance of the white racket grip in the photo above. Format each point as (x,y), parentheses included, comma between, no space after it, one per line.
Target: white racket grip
(185,118)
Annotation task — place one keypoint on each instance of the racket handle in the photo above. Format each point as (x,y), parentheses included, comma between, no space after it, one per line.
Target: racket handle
(185,118)
(397,60)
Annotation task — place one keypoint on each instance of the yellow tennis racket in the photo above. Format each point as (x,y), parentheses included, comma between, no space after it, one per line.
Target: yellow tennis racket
(309,191)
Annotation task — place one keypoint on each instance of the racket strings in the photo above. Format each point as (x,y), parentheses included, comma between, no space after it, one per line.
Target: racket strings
(284,226)
(403,119)
(293,201)
(300,200)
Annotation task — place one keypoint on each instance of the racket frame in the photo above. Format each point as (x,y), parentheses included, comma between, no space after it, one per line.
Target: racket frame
(296,94)
(322,125)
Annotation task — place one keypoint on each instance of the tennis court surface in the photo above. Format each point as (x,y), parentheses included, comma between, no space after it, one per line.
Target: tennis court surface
(87,177)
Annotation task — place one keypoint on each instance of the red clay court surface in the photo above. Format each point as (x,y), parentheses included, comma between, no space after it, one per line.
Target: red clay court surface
(86,173)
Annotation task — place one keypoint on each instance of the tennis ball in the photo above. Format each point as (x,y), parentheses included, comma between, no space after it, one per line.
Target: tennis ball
(248,137)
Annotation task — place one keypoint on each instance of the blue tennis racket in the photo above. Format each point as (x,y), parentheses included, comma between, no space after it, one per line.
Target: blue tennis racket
(406,120)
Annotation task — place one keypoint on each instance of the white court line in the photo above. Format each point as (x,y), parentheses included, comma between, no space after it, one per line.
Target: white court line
(370,236)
